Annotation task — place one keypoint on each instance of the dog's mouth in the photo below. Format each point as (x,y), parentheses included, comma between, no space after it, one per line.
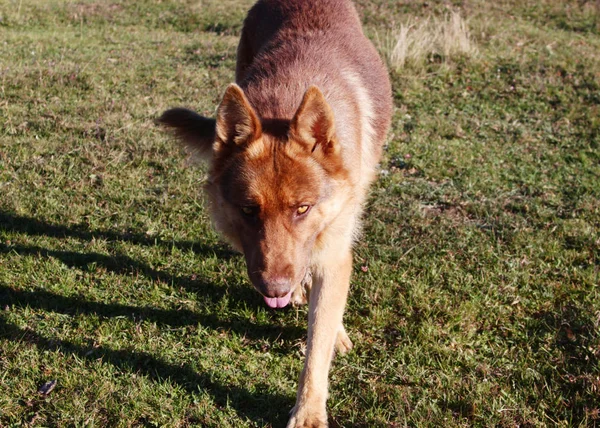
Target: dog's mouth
(296,291)
(278,302)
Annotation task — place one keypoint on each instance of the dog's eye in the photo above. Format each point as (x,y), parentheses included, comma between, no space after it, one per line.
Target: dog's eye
(249,211)
(302,209)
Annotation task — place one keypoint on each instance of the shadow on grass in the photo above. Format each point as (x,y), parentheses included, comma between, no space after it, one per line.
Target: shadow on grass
(42,299)
(259,407)
(32,226)
(52,302)
(118,263)
(573,358)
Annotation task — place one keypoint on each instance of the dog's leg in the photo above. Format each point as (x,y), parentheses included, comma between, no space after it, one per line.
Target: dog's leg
(300,296)
(326,310)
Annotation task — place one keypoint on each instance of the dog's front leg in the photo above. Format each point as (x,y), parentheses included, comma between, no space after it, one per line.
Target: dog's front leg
(326,309)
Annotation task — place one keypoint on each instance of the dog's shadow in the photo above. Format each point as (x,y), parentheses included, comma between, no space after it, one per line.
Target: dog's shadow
(256,406)
(260,407)
(34,227)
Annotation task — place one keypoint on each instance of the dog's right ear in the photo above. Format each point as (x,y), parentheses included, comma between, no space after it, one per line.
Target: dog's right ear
(313,124)
(237,123)
(195,131)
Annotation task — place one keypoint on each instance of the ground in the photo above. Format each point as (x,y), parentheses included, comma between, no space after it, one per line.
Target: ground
(474,296)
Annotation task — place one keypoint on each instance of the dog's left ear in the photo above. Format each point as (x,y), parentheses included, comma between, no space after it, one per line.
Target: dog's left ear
(313,124)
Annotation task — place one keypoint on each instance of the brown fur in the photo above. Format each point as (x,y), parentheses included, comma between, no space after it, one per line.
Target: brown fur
(292,151)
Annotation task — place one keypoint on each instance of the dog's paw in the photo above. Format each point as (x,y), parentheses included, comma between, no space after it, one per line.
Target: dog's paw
(299,296)
(307,419)
(343,344)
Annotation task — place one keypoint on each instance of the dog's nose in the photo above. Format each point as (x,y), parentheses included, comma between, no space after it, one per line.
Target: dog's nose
(274,286)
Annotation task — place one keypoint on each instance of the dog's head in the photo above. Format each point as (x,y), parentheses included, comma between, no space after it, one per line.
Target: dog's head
(271,183)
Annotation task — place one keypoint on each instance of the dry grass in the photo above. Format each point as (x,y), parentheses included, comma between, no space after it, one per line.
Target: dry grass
(431,40)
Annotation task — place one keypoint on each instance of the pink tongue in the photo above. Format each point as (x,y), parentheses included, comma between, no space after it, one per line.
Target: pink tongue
(278,302)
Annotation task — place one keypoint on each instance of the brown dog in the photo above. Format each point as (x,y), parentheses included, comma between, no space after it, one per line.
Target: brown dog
(292,153)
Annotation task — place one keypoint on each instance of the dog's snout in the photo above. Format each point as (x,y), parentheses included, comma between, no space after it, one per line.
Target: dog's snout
(274,286)
(272,280)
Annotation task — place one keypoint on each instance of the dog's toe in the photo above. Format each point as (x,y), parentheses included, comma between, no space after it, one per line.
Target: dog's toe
(299,297)
(300,294)
(343,344)
(304,420)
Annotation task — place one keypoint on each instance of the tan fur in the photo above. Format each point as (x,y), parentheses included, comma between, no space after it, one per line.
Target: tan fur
(303,127)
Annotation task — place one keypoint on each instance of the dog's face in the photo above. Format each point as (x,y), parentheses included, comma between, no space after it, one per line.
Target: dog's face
(272,198)
(272,184)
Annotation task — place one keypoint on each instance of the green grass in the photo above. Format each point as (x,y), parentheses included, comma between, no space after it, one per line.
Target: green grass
(475,296)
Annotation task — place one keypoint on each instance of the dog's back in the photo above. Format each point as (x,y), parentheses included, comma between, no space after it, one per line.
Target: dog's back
(288,45)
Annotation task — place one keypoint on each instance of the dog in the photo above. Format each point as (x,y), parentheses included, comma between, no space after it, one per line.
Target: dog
(292,152)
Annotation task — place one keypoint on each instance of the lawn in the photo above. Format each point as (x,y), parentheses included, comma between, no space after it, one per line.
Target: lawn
(474,298)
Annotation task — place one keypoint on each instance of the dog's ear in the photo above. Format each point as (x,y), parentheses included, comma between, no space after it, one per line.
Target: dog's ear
(313,124)
(237,123)
(195,131)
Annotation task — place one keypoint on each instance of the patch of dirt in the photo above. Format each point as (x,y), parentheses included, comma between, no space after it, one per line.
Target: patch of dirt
(454,213)
(94,10)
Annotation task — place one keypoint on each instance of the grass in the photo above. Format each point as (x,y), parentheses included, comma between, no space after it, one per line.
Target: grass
(417,43)
(475,296)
